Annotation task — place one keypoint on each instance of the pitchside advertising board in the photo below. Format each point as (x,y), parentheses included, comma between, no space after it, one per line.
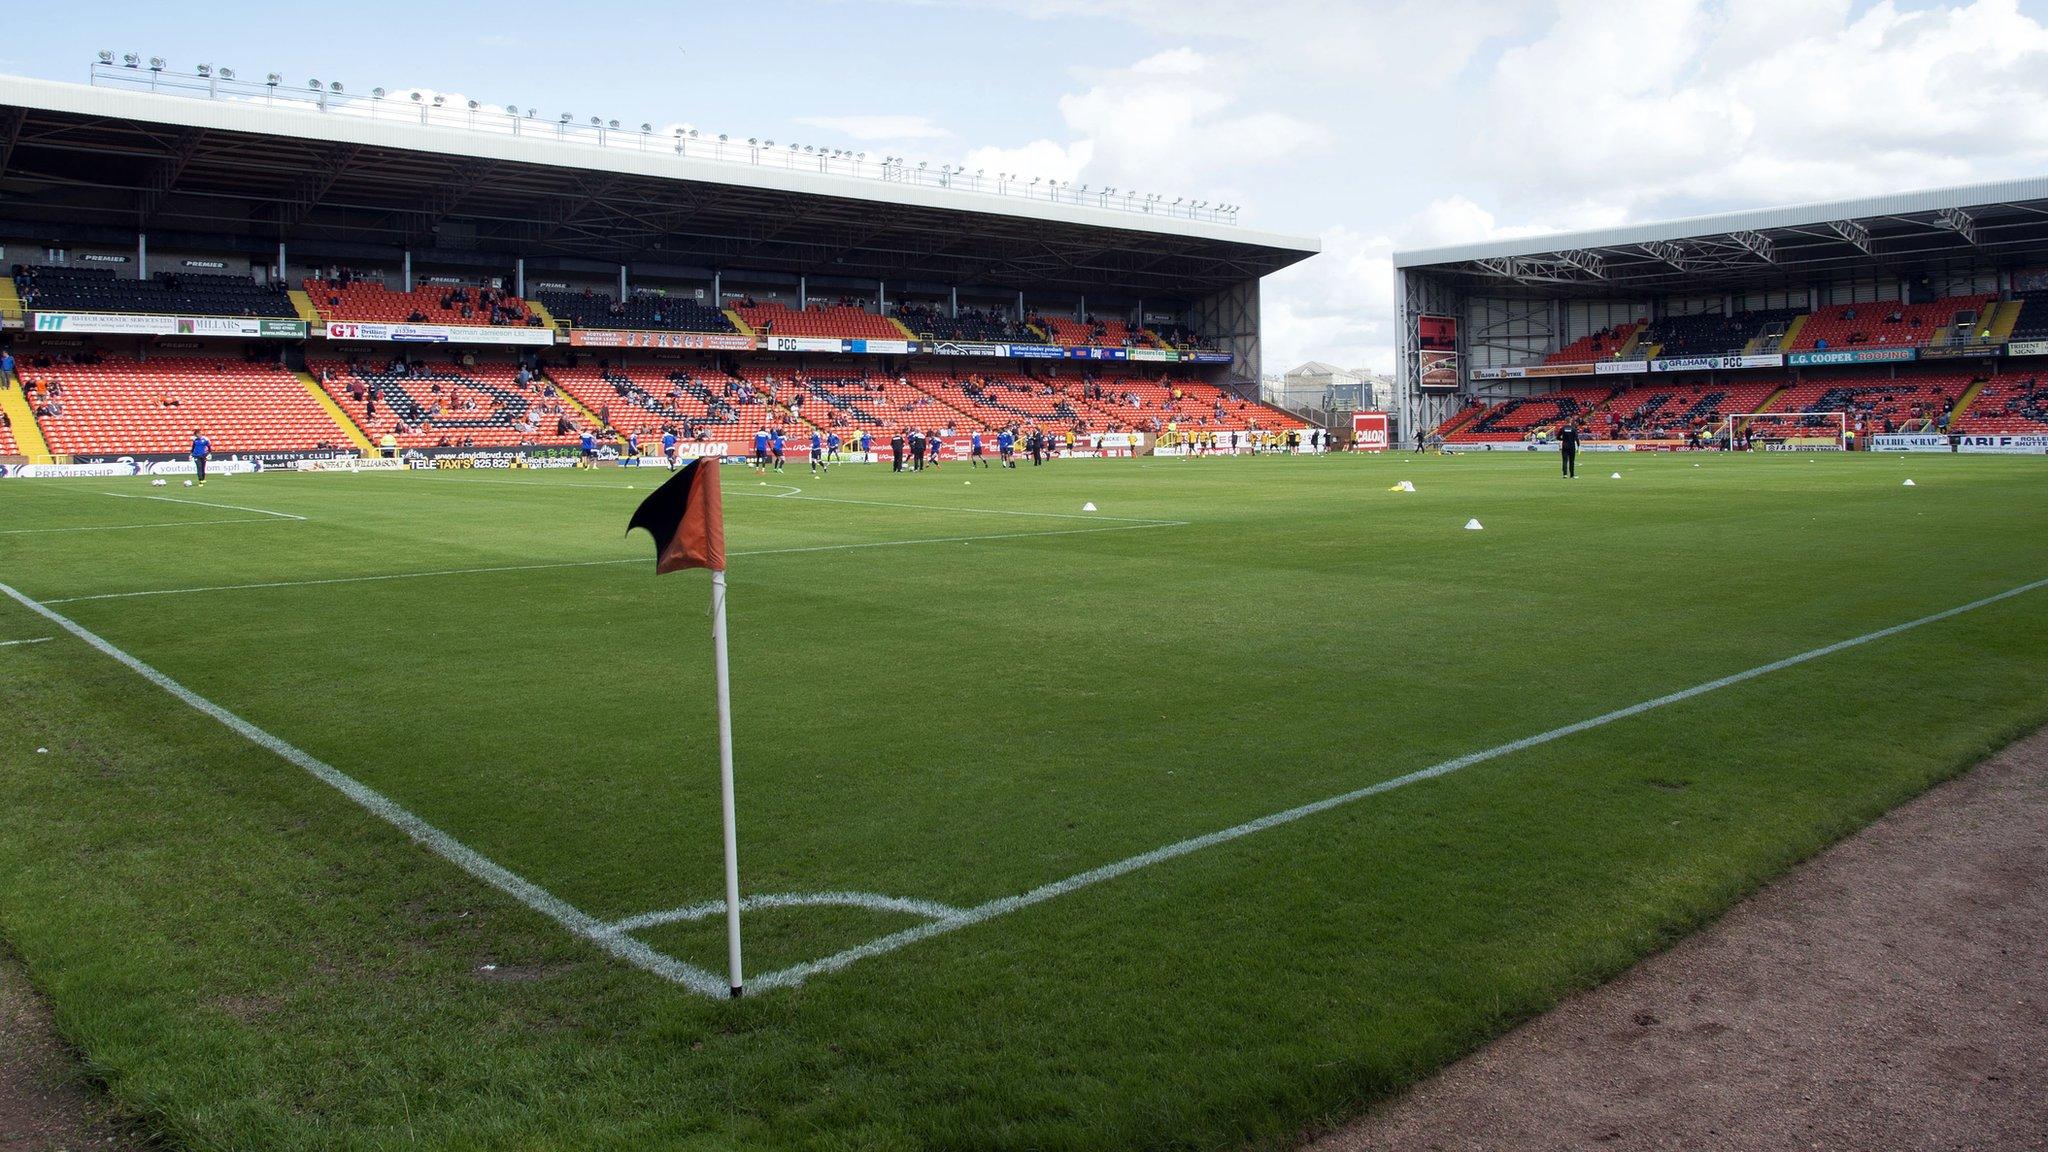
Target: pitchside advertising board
(438,334)
(123,324)
(1369,431)
(2029,445)
(1914,442)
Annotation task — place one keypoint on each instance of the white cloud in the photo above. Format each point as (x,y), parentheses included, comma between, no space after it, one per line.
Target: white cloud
(1164,124)
(870,128)
(1767,100)
(1339,306)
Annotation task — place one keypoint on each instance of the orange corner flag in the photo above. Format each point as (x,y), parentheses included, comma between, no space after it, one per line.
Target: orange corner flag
(686,517)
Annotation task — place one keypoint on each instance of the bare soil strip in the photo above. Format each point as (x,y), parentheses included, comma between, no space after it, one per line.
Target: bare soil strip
(1890,993)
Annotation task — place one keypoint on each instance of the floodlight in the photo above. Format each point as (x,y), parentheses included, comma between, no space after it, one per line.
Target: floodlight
(474,105)
(313,84)
(334,86)
(566,117)
(276,78)
(204,69)
(376,93)
(227,73)
(439,100)
(130,59)
(414,95)
(611,124)
(646,127)
(106,57)
(156,63)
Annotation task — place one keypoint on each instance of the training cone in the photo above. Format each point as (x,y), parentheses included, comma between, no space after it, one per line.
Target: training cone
(1403,486)
(1909,484)
(1473,525)
(1616,476)
(1088,507)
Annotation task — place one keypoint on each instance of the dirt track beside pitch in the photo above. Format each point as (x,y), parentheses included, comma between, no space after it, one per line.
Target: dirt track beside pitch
(1890,993)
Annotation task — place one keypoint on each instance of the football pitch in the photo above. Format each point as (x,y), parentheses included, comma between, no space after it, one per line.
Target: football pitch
(381,810)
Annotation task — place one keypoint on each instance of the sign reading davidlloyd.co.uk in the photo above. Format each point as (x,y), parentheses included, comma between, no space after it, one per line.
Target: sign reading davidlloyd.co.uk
(437,333)
(125,324)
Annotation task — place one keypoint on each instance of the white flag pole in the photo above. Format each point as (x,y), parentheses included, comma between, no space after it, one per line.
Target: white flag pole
(732,837)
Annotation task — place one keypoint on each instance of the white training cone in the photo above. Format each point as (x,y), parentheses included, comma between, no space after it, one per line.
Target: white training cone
(1406,485)
(1909,484)
(1473,525)
(1616,476)
(1088,507)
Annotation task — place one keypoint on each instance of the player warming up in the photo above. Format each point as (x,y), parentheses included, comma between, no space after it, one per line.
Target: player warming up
(201,449)
(818,463)
(1568,448)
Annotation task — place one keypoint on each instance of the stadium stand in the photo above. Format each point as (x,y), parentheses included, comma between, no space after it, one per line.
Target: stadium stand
(1675,412)
(2015,404)
(61,289)
(1519,417)
(1887,322)
(1092,332)
(2033,318)
(929,322)
(450,406)
(1874,405)
(346,297)
(1606,344)
(1712,334)
(591,309)
(118,405)
(842,320)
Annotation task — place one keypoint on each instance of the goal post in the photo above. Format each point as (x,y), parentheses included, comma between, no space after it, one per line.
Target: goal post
(1786,431)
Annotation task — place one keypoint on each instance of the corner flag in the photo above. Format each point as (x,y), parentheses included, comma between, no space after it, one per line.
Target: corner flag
(686,517)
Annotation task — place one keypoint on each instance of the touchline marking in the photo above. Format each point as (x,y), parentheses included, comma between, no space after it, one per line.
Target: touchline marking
(36,640)
(605,563)
(160,524)
(872,901)
(390,811)
(201,504)
(796,974)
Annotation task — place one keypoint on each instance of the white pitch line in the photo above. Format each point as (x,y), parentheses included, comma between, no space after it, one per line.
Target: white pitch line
(125,527)
(872,901)
(201,504)
(36,640)
(605,563)
(796,974)
(577,921)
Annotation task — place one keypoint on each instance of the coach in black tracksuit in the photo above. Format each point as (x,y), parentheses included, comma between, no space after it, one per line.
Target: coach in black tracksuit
(1568,447)
(896,452)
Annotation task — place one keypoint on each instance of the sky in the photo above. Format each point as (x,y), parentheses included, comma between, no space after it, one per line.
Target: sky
(1374,125)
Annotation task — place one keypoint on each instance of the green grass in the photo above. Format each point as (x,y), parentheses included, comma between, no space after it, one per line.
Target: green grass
(249,960)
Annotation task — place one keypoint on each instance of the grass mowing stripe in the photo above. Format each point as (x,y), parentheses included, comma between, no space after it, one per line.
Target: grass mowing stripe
(797,973)
(440,843)
(201,504)
(124,527)
(795,493)
(602,563)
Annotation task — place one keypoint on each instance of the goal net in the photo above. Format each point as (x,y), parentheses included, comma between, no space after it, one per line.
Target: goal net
(1786,431)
